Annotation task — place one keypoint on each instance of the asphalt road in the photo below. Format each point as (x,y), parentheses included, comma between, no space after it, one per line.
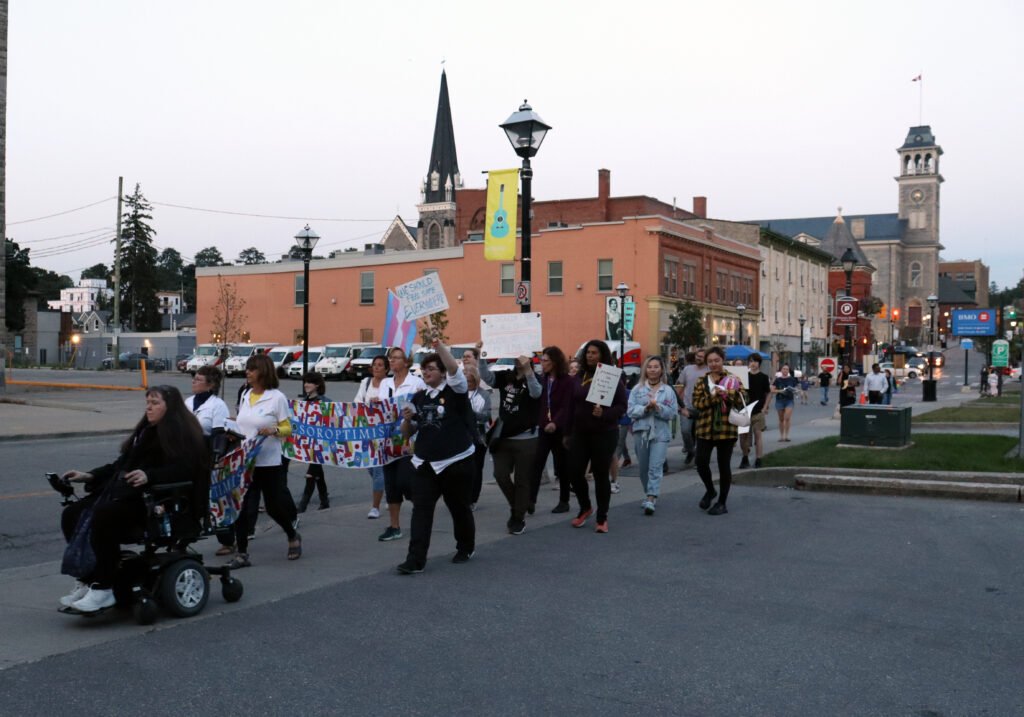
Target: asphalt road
(793,604)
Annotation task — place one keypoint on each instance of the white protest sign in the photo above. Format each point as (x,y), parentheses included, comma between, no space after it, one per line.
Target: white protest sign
(422,297)
(604,385)
(740,372)
(510,335)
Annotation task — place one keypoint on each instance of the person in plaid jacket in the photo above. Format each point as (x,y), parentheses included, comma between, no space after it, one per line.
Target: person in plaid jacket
(713,396)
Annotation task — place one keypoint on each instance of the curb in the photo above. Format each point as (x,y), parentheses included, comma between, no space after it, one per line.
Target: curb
(67,434)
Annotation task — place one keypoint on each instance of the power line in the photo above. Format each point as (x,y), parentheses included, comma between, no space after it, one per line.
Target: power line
(58,214)
(86,243)
(65,236)
(263,216)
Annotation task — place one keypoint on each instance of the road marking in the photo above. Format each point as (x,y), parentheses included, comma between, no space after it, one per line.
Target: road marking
(35,494)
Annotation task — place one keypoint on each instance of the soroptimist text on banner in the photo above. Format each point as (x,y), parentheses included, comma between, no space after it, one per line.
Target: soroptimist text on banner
(502,212)
(349,435)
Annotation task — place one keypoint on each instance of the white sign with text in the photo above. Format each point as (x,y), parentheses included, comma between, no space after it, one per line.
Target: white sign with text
(604,385)
(510,335)
(422,297)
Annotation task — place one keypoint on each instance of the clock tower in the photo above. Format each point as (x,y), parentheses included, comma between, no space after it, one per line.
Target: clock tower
(919,181)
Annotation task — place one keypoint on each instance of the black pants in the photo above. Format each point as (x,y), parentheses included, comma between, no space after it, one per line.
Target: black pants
(228,536)
(453,484)
(114,522)
(272,482)
(597,449)
(315,479)
(551,443)
(704,448)
(874,396)
(479,458)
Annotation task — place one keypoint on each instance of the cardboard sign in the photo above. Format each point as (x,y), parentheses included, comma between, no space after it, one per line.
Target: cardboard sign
(604,385)
(422,297)
(510,335)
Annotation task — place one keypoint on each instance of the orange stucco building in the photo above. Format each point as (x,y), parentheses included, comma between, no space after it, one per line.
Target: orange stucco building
(574,269)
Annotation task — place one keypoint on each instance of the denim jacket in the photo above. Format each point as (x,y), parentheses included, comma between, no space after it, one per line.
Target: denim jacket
(656,424)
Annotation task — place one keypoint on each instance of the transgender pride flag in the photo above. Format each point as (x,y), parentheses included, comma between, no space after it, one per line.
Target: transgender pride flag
(398,331)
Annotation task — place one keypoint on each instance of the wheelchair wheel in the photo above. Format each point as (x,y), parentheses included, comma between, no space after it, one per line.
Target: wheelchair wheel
(185,588)
(144,611)
(231,589)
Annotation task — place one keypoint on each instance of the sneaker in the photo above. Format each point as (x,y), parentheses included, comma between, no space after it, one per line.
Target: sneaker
(95,600)
(580,519)
(561,508)
(518,527)
(601,527)
(616,487)
(373,514)
(390,534)
(757,463)
(75,595)
(718,509)
(744,463)
(648,508)
(689,458)
(409,567)
(709,496)
(463,557)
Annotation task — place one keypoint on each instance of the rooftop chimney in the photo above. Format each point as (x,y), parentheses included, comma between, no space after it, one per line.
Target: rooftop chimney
(700,207)
(604,190)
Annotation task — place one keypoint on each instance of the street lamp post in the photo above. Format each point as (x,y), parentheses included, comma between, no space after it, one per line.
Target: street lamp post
(849,263)
(304,242)
(739,310)
(526,130)
(928,387)
(622,289)
(801,321)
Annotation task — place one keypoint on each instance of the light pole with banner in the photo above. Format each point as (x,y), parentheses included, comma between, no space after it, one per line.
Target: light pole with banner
(304,242)
(849,263)
(622,289)
(740,310)
(801,321)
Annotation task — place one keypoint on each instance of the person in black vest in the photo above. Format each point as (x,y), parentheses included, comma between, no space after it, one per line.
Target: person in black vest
(515,449)
(441,417)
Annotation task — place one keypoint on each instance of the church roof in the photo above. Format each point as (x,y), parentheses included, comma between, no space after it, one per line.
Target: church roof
(838,239)
(877,227)
(442,154)
(919,137)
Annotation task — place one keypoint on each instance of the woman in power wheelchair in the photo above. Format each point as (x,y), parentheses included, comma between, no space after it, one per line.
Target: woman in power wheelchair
(156,493)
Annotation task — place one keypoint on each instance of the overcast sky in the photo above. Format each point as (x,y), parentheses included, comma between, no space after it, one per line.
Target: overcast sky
(324,111)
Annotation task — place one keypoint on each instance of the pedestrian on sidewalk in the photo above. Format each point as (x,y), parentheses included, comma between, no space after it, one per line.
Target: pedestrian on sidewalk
(847,387)
(825,380)
(890,388)
(695,368)
(714,396)
(314,390)
(652,405)
(784,389)
(625,430)
(369,392)
(441,417)
(760,390)
(875,385)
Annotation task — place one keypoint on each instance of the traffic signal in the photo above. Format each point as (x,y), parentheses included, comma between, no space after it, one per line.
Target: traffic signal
(895,314)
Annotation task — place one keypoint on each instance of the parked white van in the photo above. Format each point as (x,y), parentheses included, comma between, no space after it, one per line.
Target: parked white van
(240,353)
(335,360)
(206,355)
(295,367)
(282,356)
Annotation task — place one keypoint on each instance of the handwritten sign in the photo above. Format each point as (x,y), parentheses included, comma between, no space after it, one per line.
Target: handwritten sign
(422,297)
(604,385)
(510,335)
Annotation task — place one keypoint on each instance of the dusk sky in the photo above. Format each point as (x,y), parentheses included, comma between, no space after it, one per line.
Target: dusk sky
(323,112)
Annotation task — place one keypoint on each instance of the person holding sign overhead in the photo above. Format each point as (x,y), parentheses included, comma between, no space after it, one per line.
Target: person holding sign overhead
(593,433)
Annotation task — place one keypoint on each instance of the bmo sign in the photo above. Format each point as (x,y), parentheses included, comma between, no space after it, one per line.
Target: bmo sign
(974,322)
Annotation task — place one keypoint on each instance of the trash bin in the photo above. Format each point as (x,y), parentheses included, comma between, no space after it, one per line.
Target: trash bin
(875,425)
(928,388)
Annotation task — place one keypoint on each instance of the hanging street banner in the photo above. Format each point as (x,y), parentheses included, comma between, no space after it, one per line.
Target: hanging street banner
(974,322)
(502,211)
(348,435)
(422,297)
(231,479)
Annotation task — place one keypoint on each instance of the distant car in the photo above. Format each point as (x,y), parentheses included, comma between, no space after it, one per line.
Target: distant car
(359,368)
(294,369)
(182,364)
(936,357)
(908,351)
(133,361)
(1012,372)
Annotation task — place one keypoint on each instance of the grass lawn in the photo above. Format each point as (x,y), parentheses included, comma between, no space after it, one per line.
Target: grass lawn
(972,413)
(931,451)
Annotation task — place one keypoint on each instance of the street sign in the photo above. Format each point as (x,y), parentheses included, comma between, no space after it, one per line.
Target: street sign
(522,292)
(1000,353)
(974,322)
(828,364)
(846,311)
(967,344)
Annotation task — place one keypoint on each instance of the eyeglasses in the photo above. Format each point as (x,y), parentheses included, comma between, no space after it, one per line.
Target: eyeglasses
(429,367)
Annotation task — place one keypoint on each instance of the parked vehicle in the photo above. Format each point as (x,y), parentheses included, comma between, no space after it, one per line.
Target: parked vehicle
(633,352)
(282,356)
(182,364)
(206,355)
(417,357)
(133,361)
(936,357)
(240,353)
(295,367)
(359,368)
(334,363)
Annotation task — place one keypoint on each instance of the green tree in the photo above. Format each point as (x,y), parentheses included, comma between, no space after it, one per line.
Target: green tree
(252,255)
(20,281)
(188,277)
(48,285)
(97,271)
(138,261)
(686,326)
(170,266)
(210,256)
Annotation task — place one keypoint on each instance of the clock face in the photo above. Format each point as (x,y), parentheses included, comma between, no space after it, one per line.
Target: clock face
(917,195)
(917,138)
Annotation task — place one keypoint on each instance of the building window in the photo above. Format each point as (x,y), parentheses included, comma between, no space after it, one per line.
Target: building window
(604,274)
(690,280)
(300,290)
(721,286)
(671,277)
(366,335)
(508,280)
(366,287)
(915,274)
(969,275)
(554,277)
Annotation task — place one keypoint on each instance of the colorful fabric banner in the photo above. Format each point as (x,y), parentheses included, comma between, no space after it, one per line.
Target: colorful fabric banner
(502,212)
(398,331)
(349,435)
(231,479)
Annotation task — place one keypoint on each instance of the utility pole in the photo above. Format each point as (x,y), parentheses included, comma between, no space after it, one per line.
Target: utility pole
(117,275)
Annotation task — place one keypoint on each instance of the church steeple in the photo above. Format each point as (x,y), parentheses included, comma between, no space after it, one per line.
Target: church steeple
(436,227)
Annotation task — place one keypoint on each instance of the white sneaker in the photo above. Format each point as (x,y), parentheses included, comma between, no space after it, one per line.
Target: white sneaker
(373,514)
(615,487)
(95,600)
(75,595)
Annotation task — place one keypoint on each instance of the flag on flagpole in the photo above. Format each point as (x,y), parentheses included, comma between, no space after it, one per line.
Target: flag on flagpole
(398,330)
(916,79)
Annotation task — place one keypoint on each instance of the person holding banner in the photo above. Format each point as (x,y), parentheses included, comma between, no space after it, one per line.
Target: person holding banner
(553,418)
(594,431)
(314,388)
(264,411)
(441,417)
(398,474)
(713,396)
(652,406)
(369,392)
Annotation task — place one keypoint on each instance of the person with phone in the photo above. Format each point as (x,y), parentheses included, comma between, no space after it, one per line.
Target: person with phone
(714,396)
(784,389)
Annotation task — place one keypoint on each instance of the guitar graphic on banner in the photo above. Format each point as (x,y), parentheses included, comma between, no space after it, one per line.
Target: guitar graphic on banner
(499,228)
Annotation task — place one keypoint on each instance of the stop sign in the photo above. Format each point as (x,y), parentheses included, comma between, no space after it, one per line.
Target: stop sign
(828,364)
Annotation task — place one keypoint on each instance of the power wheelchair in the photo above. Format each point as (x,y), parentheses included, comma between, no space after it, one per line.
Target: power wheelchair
(166,570)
